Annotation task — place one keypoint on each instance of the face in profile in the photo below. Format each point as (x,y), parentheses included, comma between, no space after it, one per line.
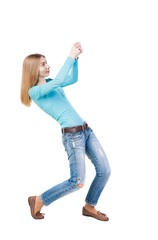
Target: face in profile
(44,68)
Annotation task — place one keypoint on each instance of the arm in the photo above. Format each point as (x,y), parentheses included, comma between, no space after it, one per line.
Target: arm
(72,76)
(67,75)
(75,51)
(63,76)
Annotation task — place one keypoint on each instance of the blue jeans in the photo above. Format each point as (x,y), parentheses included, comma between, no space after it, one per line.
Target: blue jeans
(77,145)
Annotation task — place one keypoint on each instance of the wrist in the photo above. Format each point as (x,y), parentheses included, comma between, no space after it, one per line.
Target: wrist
(72,56)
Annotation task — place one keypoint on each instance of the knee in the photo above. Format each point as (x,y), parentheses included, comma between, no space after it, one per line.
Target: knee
(105,173)
(108,172)
(80,185)
(76,183)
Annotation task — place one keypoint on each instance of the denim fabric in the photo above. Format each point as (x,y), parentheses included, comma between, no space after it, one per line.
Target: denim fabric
(77,145)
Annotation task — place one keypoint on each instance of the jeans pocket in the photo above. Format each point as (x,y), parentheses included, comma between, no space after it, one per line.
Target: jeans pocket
(72,140)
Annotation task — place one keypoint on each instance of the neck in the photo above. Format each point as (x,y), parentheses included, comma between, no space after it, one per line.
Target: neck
(41,81)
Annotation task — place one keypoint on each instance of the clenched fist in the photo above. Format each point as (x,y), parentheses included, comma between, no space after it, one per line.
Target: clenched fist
(76,50)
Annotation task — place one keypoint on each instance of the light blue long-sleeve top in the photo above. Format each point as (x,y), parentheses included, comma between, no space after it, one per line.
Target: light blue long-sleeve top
(50,97)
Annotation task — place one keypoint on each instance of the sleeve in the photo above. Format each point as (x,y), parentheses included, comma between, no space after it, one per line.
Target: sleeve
(67,75)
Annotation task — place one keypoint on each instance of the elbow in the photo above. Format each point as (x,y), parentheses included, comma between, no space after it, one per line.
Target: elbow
(76,80)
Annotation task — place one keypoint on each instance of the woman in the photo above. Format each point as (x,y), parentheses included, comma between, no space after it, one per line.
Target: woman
(78,138)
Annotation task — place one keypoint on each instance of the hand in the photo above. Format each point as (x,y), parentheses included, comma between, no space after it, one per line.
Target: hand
(76,50)
(78,45)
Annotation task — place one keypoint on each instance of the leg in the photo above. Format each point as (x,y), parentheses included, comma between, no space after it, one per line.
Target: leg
(76,156)
(98,157)
(75,147)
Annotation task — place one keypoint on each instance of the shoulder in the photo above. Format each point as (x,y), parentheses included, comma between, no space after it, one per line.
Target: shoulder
(31,91)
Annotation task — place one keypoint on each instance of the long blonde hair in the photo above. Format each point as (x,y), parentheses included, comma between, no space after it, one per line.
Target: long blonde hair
(29,76)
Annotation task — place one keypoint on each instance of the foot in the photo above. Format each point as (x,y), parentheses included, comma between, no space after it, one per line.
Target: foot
(35,204)
(38,204)
(90,211)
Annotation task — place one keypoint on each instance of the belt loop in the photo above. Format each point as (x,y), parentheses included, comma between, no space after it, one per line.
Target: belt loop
(84,126)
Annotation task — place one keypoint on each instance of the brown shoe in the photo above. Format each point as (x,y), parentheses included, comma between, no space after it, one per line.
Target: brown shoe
(100,216)
(31,201)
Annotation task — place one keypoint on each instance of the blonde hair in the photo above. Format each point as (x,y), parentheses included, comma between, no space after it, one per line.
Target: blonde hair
(29,76)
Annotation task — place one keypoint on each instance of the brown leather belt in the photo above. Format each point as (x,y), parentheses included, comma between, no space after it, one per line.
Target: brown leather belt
(75,128)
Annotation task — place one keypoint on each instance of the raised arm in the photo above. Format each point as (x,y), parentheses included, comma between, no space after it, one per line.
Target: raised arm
(72,76)
(67,75)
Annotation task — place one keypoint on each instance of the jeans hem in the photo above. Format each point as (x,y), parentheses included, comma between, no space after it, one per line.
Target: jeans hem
(43,201)
(90,203)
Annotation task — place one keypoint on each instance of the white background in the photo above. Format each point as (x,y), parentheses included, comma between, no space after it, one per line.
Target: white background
(116,94)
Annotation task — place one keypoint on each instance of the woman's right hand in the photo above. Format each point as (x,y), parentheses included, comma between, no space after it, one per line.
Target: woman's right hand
(76,50)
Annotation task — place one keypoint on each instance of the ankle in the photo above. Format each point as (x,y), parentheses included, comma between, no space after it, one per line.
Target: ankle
(90,208)
(87,206)
(39,202)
